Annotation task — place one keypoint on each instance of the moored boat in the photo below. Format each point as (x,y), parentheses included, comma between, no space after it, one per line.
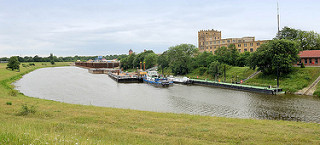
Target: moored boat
(153,78)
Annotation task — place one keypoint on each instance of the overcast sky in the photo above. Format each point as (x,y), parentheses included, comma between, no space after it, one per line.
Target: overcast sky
(104,27)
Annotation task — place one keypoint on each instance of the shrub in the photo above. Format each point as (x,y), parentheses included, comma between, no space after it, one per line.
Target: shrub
(25,65)
(52,62)
(9,103)
(25,110)
(302,65)
(202,70)
(13,92)
(32,64)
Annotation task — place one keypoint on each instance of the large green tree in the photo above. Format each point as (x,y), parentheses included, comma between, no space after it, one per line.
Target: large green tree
(163,61)
(227,55)
(151,60)
(306,40)
(180,58)
(13,63)
(274,54)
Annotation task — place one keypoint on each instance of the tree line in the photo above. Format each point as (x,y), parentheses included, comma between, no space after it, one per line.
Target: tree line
(50,58)
(278,54)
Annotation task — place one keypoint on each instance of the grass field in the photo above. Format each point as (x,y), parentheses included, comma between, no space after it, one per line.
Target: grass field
(298,79)
(61,123)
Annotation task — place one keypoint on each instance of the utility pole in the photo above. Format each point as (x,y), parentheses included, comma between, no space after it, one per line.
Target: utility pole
(278,16)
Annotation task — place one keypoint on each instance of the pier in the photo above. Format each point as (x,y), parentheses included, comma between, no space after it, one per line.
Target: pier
(265,90)
(125,78)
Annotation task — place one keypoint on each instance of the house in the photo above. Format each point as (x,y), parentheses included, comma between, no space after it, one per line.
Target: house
(309,57)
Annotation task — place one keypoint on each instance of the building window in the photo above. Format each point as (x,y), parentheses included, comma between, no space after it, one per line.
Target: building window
(214,46)
(210,42)
(245,45)
(243,40)
(305,61)
(239,45)
(251,49)
(210,47)
(251,44)
(310,61)
(228,41)
(218,42)
(218,37)
(239,50)
(234,41)
(239,41)
(215,38)
(223,41)
(258,44)
(316,60)
(245,50)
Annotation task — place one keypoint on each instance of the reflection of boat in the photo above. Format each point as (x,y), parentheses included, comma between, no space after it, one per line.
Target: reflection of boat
(153,78)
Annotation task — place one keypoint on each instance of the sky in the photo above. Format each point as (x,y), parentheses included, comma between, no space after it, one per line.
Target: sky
(108,27)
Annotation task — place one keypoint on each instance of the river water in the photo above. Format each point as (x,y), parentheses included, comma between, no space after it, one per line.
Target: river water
(77,86)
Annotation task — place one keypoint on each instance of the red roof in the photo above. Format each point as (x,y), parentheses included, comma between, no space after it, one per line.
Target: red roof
(309,53)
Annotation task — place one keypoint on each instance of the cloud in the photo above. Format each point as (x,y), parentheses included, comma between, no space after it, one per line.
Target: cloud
(113,27)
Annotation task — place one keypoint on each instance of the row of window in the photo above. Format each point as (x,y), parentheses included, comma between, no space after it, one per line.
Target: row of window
(239,45)
(251,50)
(251,44)
(310,61)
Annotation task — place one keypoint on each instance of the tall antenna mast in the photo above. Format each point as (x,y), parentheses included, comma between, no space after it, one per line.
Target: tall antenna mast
(278,17)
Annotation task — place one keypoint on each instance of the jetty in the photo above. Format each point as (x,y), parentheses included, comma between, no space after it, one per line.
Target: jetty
(266,90)
(125,77)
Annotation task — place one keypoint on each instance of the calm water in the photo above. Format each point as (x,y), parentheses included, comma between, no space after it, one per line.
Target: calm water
(75,85)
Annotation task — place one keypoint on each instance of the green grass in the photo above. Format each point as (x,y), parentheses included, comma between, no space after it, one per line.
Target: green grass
(232,74)
(317,91)
(62,123)
(298,79)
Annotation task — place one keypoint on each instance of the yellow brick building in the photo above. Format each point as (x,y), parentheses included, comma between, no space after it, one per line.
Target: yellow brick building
(210,40)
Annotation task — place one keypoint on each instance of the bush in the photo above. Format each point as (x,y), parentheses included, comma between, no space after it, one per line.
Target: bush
(302,65)
(13,92)
(32,64)
(52,62)
(25,65)
(202,70)
(9,103)
(25,110)
(44,64)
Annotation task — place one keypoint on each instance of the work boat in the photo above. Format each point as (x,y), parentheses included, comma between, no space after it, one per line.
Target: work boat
(153,78)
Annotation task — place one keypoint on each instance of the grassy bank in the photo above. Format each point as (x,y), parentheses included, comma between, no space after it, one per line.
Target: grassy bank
(298,79)
(61,123)
(232,74)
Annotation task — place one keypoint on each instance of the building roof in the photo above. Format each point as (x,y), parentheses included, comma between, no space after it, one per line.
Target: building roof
(309,53)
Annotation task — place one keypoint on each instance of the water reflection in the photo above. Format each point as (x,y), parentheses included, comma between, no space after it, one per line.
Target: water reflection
(76,85)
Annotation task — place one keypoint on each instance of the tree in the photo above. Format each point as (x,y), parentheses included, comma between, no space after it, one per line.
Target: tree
(180,58)
(13,63)
(130,60)
(306,40)
(203,59)
(228,55)
(274,54)
(163,61)
(151,60)
(243,59)
(140,58)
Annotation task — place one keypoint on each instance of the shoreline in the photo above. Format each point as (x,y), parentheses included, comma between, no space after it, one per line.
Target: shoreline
(56,123)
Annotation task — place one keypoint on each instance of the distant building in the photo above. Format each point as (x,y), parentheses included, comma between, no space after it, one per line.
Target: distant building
(130,51)
(309,57)
(210,40)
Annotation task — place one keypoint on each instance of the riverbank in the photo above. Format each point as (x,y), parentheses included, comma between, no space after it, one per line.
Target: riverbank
(59,123)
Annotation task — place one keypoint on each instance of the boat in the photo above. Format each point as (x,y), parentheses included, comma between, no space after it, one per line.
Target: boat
(153,78)
(179,80)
